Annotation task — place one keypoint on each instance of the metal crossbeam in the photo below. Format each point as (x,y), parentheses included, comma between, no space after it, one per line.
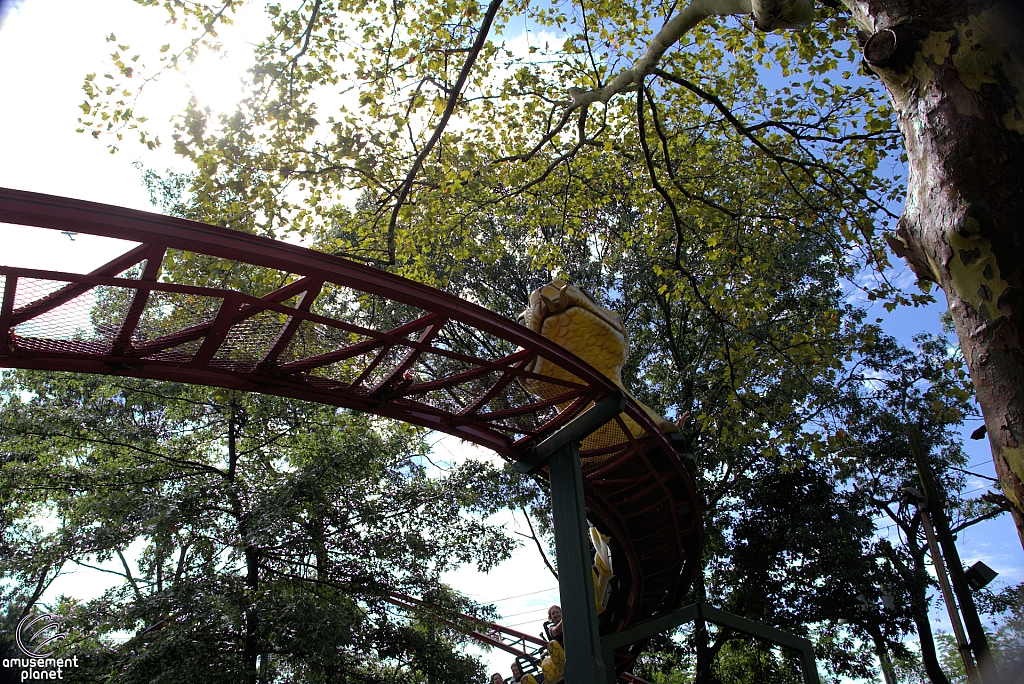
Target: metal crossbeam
(703,611)
(581,426)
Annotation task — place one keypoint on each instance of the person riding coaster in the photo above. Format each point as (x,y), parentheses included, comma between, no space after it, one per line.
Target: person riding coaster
(553,665)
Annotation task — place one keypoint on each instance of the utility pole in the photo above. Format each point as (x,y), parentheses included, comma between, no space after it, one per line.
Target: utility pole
(935,510)
(947,592)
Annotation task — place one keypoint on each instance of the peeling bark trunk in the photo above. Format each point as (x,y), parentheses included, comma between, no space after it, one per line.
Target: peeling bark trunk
(955,72)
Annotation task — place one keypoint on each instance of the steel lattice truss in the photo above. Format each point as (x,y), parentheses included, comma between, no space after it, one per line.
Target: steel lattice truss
(293,322)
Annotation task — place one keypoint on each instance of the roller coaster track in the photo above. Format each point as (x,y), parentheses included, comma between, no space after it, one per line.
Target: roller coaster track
(517,643)
(284,320)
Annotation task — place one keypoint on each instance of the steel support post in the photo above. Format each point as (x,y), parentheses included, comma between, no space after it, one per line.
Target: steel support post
(584,659)
(687,614)
(587,661)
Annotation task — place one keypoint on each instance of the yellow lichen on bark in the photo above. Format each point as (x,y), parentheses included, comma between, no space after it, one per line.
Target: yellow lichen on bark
(934,49)
(981,58)
(1015,460)
(974,270)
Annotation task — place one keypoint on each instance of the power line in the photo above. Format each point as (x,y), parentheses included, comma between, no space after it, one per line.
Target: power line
(520,624)
(525,612)
(968,472)
(509,598)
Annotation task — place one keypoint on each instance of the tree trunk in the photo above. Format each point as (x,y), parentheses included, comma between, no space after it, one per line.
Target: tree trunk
(252,619)
(706,647)
(882,651)
(702,638)
(955,72)
(250,652)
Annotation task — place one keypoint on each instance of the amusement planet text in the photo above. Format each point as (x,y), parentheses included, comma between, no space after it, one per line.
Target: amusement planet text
(36,638)
(35,669)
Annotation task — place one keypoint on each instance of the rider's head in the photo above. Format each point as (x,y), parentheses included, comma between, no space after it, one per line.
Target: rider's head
(555,614)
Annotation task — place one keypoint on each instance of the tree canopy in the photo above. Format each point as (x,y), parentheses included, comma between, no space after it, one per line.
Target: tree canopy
(249,529)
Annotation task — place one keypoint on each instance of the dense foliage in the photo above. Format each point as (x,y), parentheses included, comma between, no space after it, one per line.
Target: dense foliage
(249,530)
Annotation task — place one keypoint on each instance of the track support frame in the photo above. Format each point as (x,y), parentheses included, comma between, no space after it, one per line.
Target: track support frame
(585,656)
(646,630)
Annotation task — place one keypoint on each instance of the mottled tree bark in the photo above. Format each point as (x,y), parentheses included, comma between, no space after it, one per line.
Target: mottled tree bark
(955,72)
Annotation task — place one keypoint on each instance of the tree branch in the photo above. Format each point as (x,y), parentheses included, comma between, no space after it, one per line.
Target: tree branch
(674,29)
(41,586)
(540,549)
(128,575)
(453,98)
(980,518)
(746,132)
(305,46)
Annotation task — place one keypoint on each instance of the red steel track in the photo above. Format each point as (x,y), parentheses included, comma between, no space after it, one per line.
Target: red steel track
(494,635)
(284,320)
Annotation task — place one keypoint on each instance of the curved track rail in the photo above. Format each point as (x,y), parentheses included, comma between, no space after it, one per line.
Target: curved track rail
(284,320)
(519,644)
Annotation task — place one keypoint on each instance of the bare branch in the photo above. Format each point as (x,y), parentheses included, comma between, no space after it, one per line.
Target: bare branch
(128,575)
(981,518)
(540,549)
(674,29)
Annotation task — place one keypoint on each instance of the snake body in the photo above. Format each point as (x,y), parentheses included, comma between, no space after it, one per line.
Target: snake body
(642,498)
(569,316)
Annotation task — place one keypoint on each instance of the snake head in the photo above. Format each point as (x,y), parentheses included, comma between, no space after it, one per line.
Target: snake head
(569,316)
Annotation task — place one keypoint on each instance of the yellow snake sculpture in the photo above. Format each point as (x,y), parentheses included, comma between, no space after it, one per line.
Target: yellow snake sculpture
(569,316)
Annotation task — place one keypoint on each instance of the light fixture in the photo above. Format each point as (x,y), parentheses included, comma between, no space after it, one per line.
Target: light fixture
(979,575)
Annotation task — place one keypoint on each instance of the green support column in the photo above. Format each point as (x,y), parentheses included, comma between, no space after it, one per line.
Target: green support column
(584,654)
(584,661)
